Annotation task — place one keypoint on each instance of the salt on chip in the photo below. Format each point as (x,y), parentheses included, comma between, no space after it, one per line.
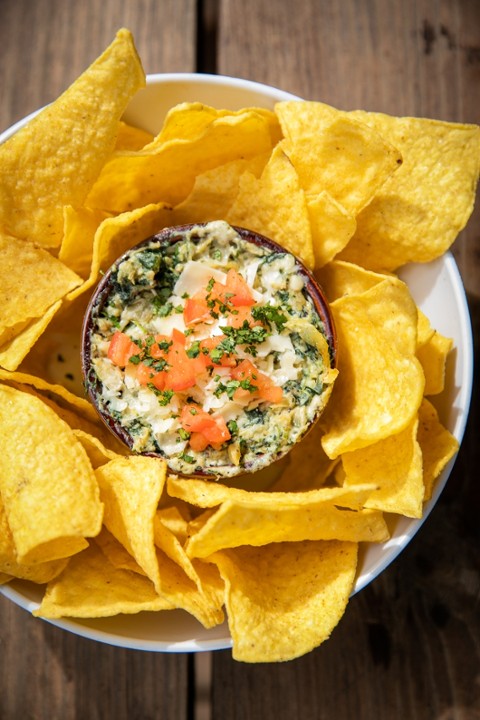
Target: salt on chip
(438,445)
(345,157)
(380,383)
(131,488)
(55,159)
(284,599)
(47,484)
(166,171)
(274,205)
(395,464)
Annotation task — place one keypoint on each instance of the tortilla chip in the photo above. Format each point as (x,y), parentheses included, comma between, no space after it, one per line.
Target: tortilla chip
(380,383)
(438,445)
(42,460)
(90,586)
(285,599)
(55,159)
(345,157)
(130,488)
(395,465)
(166,171)
(274,205)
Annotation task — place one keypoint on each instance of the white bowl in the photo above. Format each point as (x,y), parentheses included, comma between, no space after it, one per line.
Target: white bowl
(438,290)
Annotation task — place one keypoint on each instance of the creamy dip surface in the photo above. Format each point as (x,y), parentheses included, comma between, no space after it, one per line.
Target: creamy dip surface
(208,350)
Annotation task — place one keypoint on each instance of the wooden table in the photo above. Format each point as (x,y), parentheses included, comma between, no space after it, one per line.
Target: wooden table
(408,647)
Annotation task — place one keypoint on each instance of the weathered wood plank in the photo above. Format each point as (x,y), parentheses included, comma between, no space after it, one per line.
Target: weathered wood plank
(46,44)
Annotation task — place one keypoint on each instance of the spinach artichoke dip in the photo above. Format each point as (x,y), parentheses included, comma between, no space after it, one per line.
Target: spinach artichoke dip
(206,348)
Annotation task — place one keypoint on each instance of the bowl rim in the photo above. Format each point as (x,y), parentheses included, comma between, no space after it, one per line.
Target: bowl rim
(168,236)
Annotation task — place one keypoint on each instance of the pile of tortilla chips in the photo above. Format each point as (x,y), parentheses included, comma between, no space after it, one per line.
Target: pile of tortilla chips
(355,195)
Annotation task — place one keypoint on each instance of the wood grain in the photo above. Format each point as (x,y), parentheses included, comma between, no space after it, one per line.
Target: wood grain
(46,672)
(46,44)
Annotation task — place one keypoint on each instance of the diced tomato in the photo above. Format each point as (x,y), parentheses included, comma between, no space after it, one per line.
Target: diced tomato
(198,422)
(144,374)
(180,375)
(196,309)
(193,418)
(237,286)
(217,432)
(155,350)
(245,370)
(178,337)
(235,292)
(271,392)
(210,344)
(265,387)
(198,442)
(121,349)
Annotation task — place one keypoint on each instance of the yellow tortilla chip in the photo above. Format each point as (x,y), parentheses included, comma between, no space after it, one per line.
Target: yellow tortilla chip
(339,278)
(90,586)
(80,226)
(380,383)
(255,522)
(116,553)
(166,171)
(130,137)
(433,349)
(418,213)
(204,576)
(130,488)
(438,445)
(60,393)
(345,157)
(285,599)
(31,281)
(55,159)
(331,226)
(14,352)
(395,465)
(307,466)
(214,191)
(274,205)
(39,573)
(41,460)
